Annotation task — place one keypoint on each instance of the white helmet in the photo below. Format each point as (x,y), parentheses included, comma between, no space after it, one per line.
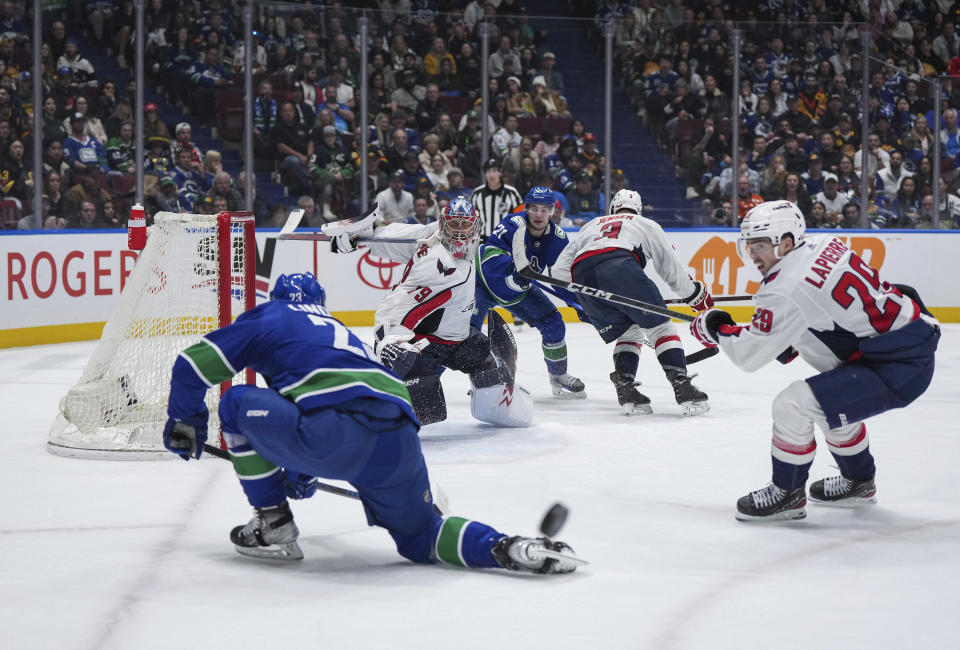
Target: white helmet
(772,219)
(625,200)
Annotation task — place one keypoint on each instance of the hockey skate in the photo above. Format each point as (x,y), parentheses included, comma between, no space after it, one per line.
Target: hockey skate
(566,386)
(633,401)
(840,491)
(772,504)
(271,534)
(535,555)
(691,399)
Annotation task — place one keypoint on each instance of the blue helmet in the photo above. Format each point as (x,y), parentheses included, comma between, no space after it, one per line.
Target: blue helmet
(299,287)
(540,194)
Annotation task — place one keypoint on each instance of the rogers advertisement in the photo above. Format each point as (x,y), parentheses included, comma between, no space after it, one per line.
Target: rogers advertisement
(66,278)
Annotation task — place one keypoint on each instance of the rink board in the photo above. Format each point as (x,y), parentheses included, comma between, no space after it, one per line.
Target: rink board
(60,287)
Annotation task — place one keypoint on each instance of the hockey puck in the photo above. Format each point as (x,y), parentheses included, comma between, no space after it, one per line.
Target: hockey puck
(554,520)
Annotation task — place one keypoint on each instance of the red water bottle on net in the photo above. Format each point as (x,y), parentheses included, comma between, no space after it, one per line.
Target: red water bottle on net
(137,229)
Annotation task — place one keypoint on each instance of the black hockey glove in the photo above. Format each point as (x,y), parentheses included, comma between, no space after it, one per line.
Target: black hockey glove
(185,436)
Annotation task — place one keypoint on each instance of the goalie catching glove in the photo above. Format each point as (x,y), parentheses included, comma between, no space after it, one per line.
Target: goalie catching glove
(700,299)
(397,350)
(185,436)
(707,323)
(345,232)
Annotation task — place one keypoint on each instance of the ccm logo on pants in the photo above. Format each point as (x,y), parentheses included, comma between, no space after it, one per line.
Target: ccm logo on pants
(257,413)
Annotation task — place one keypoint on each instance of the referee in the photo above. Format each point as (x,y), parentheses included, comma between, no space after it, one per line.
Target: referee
(493,199)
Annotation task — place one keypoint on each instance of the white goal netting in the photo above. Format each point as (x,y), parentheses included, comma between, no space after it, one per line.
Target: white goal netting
(195,274)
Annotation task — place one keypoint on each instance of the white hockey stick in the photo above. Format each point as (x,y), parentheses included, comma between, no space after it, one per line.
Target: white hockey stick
(296,216)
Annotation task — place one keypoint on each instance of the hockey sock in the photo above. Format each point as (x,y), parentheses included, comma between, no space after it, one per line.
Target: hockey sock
(666,343)
(788,476)
(555,355)
(466,543)
(853,456)
(260,479)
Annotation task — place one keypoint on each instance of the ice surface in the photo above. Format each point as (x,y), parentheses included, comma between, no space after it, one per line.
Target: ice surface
(135,555)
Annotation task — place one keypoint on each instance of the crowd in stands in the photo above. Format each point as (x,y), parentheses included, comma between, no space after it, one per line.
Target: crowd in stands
(798,106)
(799,103)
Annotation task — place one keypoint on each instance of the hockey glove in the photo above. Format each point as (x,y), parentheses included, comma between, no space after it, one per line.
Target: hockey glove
(185,436)
(788,355)
(700,299)
(704,327)
(400,357)
(344,233)
(517,282)
(299,486)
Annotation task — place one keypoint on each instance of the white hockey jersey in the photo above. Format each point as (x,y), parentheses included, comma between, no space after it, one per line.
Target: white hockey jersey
(822,299)
(435,296)
(629,232)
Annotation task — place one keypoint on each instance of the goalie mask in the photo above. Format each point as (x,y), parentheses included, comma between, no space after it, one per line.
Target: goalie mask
(626,201)
(299,287)
(460,228)
(771,220)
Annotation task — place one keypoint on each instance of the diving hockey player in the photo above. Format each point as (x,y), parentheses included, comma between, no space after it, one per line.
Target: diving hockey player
(532,239)
(423,324)
(872,342)
(611,253)
(331,410)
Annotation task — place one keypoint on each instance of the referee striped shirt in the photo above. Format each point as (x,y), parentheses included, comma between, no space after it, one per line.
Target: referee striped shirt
(494,205)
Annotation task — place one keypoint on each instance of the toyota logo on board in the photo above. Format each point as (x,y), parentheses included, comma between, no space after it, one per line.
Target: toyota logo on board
(376,272)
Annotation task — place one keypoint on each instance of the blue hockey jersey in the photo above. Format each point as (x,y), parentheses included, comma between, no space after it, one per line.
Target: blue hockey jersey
(495,266)
(302,352)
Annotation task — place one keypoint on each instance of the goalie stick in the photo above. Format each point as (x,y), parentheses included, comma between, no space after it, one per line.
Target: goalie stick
(286,233)
(440,505)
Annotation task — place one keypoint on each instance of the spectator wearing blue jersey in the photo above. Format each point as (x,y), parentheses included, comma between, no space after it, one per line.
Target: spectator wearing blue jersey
(528,238)
(330,409)
(585,201)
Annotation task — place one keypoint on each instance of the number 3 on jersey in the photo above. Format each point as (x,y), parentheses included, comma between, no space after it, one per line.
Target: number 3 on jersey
(610,231)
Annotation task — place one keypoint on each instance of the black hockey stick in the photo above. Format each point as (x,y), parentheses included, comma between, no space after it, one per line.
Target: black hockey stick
(326,487)
(678,301)
(694,357)
(576,287)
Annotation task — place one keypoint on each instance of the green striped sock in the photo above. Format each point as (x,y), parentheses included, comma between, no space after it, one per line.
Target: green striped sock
(450,541)
(250,466)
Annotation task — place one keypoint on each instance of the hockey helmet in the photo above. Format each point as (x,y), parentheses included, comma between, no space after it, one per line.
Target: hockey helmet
(772,220)
(540,194)
(299,287)
(460,228)
(626,201)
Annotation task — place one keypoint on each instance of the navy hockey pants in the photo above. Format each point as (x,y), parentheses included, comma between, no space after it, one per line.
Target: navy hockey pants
(618,272)
(895,368)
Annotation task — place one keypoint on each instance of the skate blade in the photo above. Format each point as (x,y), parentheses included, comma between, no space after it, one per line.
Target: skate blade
(690,409)
(284,552)
(563,393)
(560,557)
(636,409)
(852,502)
(789,515)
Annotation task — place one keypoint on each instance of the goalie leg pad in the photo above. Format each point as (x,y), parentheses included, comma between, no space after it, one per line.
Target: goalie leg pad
(426,394)
(502,406)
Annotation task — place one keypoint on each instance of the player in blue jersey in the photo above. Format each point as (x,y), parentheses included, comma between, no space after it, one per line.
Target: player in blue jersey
(331,410)
(527,238)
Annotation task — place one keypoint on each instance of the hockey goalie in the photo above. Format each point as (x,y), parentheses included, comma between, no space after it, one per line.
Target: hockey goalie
(423,325)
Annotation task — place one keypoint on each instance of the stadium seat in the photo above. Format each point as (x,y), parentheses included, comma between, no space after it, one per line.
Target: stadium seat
(9,214)
(529,126)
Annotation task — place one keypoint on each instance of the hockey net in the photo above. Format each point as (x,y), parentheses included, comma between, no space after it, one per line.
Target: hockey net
(195,274)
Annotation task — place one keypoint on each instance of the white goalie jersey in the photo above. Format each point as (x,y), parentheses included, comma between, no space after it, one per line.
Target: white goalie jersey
(632,233)
(435,296)
(822,299)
